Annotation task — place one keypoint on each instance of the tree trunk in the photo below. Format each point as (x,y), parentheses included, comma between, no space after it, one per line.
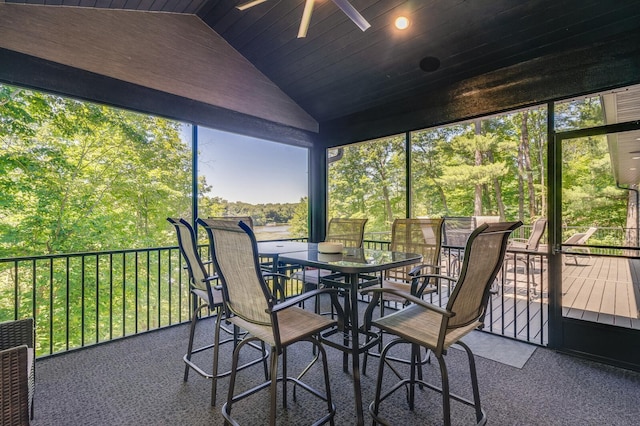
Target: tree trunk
(498,189)
(526,158)
(631,236)
(477,204)
(520,184)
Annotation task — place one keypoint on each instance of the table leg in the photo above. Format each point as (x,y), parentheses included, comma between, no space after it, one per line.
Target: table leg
(355,347)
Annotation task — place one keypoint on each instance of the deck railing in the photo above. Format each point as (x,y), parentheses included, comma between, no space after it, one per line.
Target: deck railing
(83,299)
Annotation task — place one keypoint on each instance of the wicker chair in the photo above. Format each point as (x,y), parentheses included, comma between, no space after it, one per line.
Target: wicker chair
(203,296)
(17,363)
(252,306)
(422,324)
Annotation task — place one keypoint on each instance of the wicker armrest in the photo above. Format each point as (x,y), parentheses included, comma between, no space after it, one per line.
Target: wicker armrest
(17,361)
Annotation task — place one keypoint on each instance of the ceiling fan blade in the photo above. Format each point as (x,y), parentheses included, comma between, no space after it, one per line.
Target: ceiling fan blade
(306,18)
(247,5)
(353,14)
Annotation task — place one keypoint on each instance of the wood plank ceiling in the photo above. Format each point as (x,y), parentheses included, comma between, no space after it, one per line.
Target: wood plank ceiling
(338,70)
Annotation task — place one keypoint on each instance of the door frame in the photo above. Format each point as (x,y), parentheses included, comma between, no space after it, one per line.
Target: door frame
(606,343)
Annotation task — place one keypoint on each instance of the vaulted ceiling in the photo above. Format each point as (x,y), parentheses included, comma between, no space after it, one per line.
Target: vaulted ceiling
(339,71)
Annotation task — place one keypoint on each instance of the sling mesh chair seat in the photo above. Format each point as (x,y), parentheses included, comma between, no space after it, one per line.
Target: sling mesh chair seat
(203,296)
(422,236)
(267,267)
(349,232)
(422,324)
(252,306)
(455,233)
(17,371)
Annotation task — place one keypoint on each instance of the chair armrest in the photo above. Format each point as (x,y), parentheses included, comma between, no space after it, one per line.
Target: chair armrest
(443,277)
(301,298)
(414,271)
(518,240)
(274,275)
(16,333)
(294,301)
(17,371)
(408,297)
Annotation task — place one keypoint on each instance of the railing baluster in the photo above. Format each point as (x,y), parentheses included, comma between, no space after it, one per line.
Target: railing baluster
(177,291)
(51,305)
(110,296)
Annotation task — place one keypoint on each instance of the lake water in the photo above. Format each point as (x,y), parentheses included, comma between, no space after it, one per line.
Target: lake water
(277,232)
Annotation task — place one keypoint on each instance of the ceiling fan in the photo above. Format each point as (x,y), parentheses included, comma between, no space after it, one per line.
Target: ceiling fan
(344,5)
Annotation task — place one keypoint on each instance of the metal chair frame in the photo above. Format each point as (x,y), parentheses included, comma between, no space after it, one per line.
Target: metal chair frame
(465,310)
(210,298)
(254,307)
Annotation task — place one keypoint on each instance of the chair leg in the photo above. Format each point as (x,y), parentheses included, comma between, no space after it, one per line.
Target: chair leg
(446,400)
(273,388)
(474,382)
(284,378)
(192,331)
(216,350)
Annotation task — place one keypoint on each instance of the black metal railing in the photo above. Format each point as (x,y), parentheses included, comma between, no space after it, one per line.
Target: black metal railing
(83,299)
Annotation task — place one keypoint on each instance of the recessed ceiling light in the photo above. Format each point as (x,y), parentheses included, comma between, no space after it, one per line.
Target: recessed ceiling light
(402,22)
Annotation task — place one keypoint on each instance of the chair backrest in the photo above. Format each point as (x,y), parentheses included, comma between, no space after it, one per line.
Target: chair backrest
(580,237)
(246,219)
(536,233)
(587,235)
(483,258)
(422,236)
(189,250)
(479,220)
(235,256)
(349,232)
(456,230)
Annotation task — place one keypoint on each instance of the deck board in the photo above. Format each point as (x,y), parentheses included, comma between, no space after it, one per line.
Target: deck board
(598,289)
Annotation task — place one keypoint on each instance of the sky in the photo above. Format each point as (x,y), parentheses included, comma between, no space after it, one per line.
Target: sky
(251,170)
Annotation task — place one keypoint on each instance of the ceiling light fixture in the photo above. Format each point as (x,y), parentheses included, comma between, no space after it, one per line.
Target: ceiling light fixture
(402,22)
(344,5)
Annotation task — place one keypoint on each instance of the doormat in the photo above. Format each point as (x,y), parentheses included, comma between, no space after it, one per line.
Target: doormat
(500,349)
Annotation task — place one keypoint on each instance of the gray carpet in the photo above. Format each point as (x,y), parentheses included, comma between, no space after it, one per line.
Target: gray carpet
(138,381)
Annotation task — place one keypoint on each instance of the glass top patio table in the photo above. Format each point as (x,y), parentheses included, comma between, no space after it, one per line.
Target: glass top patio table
(352,263)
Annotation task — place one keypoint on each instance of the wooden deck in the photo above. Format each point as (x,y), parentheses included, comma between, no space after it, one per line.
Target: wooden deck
(602,289)
(598,289)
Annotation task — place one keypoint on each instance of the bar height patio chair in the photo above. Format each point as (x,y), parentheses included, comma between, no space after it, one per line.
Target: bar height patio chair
(422,236)
(346,231)
(17,371)
(253,307)
(422,324)
(204,295)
